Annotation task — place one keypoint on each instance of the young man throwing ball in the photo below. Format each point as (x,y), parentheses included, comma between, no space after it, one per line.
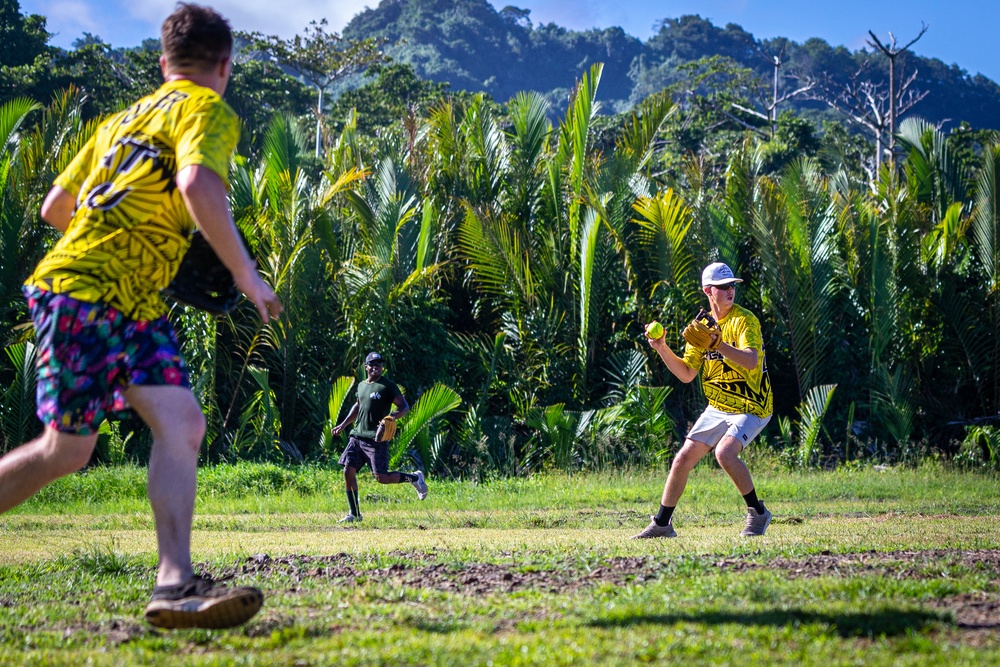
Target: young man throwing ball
(127,205)
(729,353)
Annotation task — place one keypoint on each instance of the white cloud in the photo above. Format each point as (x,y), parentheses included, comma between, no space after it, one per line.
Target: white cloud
(128,22)
(284,18)
(68,18)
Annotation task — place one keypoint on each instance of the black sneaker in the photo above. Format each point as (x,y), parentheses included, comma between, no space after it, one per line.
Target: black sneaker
(199,603)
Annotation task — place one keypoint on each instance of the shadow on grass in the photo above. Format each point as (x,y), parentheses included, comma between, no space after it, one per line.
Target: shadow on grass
(886,623)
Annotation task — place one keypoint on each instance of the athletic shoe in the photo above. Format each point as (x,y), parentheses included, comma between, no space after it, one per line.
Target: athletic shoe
(420,485)
(756,523)
(349,518)
(199,603)
(656,530)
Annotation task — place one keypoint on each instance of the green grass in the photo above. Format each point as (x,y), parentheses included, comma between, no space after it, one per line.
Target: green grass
(865,567)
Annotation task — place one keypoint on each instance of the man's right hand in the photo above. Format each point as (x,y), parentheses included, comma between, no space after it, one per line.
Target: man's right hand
(204,193)
(657,344)
(261,294)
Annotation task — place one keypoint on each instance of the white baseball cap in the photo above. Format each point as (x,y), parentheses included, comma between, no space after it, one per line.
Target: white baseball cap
(718,274)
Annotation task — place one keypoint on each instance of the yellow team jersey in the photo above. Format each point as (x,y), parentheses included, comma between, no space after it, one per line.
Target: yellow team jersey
(728,386)
(130,227)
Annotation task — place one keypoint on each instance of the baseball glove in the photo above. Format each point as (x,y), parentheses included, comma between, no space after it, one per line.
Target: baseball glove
(386,429)
(699,333)
(203,281)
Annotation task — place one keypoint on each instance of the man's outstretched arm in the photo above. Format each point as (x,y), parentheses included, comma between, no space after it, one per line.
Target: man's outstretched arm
(204,194)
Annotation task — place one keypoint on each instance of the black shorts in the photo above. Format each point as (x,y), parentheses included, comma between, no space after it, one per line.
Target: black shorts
(362,451)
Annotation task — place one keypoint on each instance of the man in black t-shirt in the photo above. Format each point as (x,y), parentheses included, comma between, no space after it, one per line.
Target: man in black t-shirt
(376,396)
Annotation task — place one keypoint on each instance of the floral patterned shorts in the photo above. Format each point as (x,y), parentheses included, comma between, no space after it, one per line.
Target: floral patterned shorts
(88,353)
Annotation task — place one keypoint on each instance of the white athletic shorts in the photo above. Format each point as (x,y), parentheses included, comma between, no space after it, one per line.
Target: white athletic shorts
(714,423)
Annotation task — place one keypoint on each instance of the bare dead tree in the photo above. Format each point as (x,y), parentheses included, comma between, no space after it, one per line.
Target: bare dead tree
(892,52)
(872,104)
(744,82)
(770,107)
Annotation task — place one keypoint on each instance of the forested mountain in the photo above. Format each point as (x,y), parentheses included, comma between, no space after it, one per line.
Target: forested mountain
(472,46)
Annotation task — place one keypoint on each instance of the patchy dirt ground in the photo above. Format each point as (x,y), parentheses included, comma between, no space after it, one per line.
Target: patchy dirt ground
(976,616)
(979,612)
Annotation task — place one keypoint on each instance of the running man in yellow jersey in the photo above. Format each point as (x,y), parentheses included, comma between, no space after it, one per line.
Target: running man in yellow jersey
(126,205)
(734,378)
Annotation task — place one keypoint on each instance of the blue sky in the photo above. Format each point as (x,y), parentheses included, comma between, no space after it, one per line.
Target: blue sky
(960,32)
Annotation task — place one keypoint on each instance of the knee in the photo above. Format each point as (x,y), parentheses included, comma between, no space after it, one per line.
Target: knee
(173,414)
(193,429)
(683,460)
(726,455)
(382,477)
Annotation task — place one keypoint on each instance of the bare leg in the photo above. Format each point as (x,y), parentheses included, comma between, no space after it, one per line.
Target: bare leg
(727,453)
(350,478)
(684,461)
(178,425)
(25,470)
(387,478)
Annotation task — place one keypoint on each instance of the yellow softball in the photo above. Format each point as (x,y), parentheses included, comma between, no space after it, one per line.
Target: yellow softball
(654,330)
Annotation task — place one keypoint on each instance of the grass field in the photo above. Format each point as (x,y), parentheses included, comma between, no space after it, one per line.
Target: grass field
(859,567)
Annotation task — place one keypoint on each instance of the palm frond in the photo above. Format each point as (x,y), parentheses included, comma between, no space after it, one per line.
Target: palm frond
(986,221)
(13,113)
(498,257)
(893,406)
(17,407)
(664,222)
(433,403)
(339,391)
(528,113)
(588,252)
(811,411)
(637,141)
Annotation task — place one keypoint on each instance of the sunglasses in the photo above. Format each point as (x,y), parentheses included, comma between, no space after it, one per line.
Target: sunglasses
(726,287)
(375,363)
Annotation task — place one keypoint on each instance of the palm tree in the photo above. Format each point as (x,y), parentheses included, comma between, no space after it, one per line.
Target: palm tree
(793,228)
(986,242)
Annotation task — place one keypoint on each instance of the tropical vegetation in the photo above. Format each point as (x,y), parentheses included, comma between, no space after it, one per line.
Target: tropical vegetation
(504,263)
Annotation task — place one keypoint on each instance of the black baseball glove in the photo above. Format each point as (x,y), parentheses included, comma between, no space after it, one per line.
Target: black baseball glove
(203,281)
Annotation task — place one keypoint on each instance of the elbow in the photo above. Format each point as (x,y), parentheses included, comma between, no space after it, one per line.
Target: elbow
(186,184)
(47,212)
(196,182)
(687,378)
(57,208)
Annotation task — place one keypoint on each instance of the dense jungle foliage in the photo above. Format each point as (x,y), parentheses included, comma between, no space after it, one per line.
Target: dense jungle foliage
(504,263)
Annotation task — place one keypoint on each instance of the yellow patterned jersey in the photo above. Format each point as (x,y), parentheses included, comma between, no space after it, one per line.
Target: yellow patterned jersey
(130,227)
(728,386)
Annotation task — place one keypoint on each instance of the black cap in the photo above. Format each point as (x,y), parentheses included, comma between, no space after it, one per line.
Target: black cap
(373,356)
